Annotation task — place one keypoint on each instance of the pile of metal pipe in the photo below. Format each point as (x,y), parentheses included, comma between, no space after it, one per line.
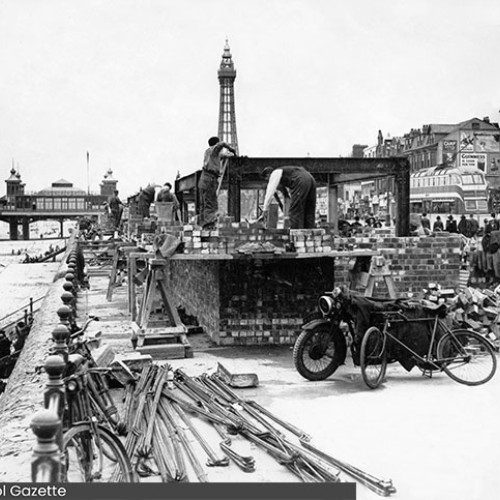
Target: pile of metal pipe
(162,414)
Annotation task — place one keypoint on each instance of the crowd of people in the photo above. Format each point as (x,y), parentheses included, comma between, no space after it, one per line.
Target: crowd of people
(466,226)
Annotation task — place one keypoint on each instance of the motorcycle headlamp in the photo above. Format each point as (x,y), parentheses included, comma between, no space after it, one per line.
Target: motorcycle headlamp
(326,304)
(72,386)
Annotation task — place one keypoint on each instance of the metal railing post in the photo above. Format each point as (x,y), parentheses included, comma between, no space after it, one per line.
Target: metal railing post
(46,463)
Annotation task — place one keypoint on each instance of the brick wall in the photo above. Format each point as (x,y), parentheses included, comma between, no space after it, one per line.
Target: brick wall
(260,301)
(195,285)
(265,301)
(414,261)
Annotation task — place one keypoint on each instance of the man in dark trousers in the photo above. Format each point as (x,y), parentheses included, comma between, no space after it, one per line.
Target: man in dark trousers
(463,226)
(146,197)
(116,208)
(209,181)
(298,184)
(473,226)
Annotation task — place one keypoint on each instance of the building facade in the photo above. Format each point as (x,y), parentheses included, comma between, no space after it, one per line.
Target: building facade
(60,201)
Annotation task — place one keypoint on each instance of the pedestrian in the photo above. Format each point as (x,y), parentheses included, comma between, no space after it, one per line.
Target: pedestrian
(4,344)
(463,226)
(370,220)
(357,227)
(22,331)
(297,184)
(115,206)
(438,225)
(145,198)
(208,183)
(451,224)
(492,225)
(425,222)
(473,226)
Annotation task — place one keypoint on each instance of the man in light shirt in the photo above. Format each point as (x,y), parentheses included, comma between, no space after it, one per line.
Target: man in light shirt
(297,184)
(209,181)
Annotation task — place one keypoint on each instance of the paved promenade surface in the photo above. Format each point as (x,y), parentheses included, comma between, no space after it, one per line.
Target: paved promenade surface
(436,439)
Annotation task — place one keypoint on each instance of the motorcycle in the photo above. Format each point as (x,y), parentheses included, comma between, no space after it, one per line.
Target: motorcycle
(344,317)
(322,345)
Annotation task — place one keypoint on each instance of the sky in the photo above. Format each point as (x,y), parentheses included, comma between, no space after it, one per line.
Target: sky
(134,82)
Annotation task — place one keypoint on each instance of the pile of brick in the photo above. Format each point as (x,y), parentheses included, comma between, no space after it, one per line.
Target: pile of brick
(311,240)
(478,310)
(228,237)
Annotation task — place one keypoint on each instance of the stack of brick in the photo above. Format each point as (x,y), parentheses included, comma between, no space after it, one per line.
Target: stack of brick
(228,237)
(311,240)
(469,307)
(266,303)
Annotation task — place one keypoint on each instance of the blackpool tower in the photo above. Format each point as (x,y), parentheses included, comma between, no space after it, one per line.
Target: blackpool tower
(227,115)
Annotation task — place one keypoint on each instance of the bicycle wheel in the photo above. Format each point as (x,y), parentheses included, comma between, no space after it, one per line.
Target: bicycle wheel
(466,357)
(95,458)
(317,353)
(373,357)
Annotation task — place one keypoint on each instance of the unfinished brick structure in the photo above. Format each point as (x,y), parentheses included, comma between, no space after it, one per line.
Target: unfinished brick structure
(264,301)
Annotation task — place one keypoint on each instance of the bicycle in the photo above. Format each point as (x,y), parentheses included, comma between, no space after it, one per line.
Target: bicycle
(101,400)
(92,451)
(464,355)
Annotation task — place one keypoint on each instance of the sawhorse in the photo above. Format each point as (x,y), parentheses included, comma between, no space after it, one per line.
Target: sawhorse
(366,272)
(156,338)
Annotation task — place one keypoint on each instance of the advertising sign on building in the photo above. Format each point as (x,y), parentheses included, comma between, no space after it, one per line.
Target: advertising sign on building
(474,160)
(466,141)
(449,149)
(489,143)
(494,164)
(450,145)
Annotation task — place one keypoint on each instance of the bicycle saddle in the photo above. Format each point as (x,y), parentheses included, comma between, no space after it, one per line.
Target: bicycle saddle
(438,309)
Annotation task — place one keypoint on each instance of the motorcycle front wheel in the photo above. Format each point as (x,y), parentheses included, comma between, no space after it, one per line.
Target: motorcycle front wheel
(318,352)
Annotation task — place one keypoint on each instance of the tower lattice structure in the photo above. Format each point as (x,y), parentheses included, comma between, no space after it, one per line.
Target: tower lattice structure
(227,114)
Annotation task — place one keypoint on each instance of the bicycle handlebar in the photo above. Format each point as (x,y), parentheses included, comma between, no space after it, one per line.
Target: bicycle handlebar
(82,330)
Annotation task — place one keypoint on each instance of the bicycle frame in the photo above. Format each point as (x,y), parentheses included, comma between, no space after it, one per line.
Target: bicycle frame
(79,408)
(437,323)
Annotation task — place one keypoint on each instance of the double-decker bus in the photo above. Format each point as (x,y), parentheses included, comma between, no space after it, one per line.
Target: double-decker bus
(448,190)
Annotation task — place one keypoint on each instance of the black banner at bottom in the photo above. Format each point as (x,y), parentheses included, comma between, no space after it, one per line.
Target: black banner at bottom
(180,491)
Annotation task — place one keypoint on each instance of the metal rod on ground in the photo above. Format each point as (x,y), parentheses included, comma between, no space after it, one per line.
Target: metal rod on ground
(161,378)
(246,463)
(179,433)
(380,486)
(181,473)
(191,408)
(230,418)
(279,447)
(289,427)
(135,431)
(162,450)
(213,459)
(233,398)
(127,406)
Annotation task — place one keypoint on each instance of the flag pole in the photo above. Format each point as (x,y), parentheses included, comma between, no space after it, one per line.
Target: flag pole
(88,173)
